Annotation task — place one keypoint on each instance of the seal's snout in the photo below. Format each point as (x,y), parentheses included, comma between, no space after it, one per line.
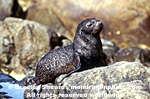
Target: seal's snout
(99,23)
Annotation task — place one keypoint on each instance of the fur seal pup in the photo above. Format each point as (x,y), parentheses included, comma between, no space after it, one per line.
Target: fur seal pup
(84,53)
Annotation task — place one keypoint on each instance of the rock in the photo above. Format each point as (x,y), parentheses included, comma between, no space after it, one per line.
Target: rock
(6,78)
(25,4)
(17,10)
(47,17)
(111,82)
(5,8)
(132,15)
(58,40)
(22,44)
(110,49)
(125,22)
(26,81)
(132,54)
(3,95)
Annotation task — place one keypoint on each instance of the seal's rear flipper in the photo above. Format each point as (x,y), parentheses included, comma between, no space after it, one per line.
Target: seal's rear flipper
(37,91)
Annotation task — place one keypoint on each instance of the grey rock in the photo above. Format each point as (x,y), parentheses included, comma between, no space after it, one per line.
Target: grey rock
(5,8)
(122,80)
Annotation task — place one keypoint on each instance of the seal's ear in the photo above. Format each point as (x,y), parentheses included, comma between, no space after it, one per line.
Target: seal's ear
(83,29)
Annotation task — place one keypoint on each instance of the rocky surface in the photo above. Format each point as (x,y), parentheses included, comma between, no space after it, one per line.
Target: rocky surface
(122,80)
(22,44)
(47,17)
(130,54)
(5,8)
(125,21)
(25,4)
(6,78)
(17,11)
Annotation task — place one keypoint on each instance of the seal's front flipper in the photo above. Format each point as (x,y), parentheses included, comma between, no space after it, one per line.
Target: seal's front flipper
(70,73)
(77,66)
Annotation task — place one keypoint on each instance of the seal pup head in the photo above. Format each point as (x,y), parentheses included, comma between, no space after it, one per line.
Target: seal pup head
(90,26)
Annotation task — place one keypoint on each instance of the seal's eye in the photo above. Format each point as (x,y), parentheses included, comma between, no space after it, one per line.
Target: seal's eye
(89,24)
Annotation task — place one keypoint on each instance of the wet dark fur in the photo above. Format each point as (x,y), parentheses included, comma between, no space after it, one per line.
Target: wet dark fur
(84,53)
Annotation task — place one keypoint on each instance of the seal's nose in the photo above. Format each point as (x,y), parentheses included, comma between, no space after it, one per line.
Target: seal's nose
(101,23)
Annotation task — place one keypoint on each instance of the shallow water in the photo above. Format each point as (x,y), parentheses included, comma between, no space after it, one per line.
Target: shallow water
(13,90)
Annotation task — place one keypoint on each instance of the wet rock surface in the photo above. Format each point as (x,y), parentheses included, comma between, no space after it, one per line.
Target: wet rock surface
(130,54)
(8,87)
(6,78)
(116,79)
(11,91)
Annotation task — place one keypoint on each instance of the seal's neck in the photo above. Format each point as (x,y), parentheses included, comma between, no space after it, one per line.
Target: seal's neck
(83,39)
(85,36)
